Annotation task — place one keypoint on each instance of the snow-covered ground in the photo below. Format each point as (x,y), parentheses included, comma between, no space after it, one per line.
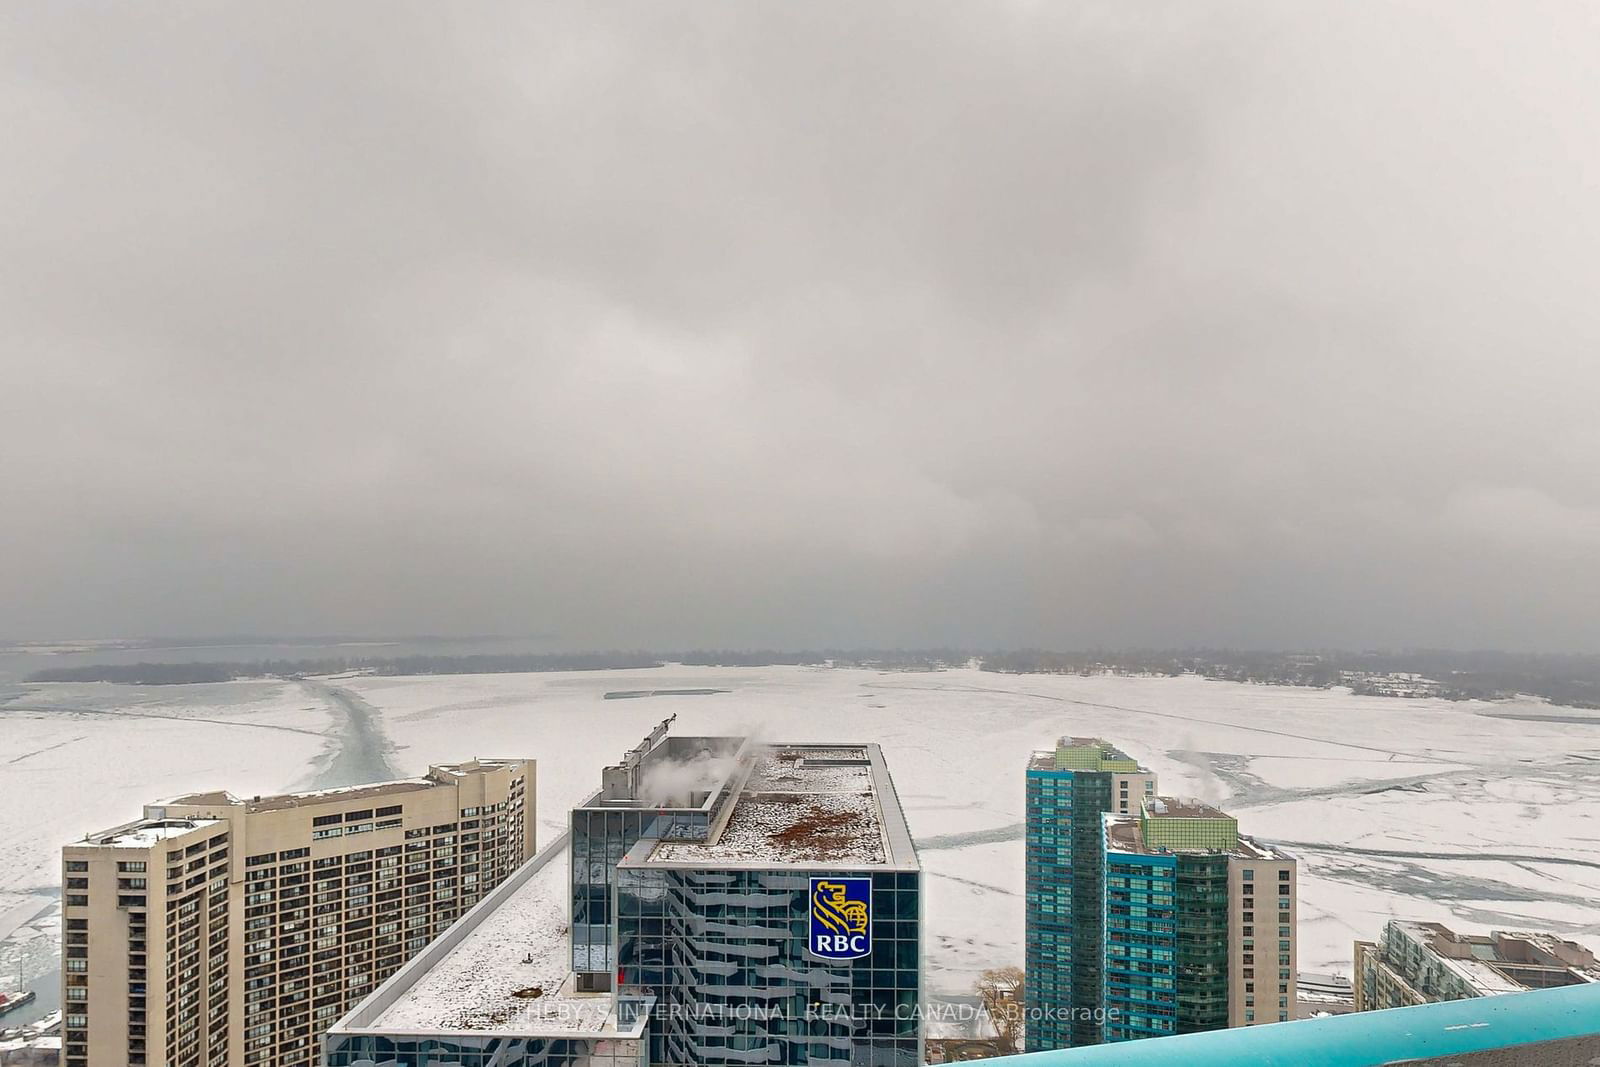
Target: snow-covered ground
(1419,808)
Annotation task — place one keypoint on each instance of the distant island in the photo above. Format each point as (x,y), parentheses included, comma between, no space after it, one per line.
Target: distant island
(1570,680)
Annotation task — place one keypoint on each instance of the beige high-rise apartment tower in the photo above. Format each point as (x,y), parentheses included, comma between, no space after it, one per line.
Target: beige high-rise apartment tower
(218,931)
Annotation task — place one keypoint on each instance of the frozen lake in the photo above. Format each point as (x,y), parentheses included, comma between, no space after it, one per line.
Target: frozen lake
(1480,815)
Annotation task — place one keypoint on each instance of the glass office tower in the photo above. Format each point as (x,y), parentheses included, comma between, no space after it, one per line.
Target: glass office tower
(725,954)
(722,902)
(720,930)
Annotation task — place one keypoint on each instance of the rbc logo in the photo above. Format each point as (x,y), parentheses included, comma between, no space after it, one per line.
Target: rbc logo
(841,918)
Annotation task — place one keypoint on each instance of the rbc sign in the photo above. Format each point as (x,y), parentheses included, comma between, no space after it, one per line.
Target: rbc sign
(841,918)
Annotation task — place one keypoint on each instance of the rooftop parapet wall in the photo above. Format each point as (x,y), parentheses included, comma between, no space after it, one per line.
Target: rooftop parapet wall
(1092,754)
(1186,826)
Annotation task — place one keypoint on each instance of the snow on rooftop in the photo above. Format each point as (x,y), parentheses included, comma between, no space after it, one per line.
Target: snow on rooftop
(510,973)
(819,752)
(147,833)
(784,771)
(1183,808)
(343,792)
(800,805)
(1254,848)
(790,828)
(1483,977)
(1123,833)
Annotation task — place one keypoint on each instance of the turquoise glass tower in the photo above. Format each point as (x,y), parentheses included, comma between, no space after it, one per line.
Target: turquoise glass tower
(1067,791)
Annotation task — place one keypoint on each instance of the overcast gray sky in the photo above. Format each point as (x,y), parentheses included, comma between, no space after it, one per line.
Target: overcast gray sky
(745,324)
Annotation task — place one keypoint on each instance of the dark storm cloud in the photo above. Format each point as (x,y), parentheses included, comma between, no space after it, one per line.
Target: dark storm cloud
(756,323)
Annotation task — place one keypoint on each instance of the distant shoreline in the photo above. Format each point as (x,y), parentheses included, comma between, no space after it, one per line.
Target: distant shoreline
(1560,680)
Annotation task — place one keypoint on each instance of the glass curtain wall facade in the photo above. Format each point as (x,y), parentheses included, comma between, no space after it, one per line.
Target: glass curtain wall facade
(1202,942)
(1166,944)
(488,1050)
(724,954)
(601,837)
(1064,873)
(1141,945)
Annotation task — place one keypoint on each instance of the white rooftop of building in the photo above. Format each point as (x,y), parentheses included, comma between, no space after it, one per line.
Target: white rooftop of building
(1483,977)
(145,833)
(503,968)
(1324,988)
(1484,963)
(438,774)
(808,806)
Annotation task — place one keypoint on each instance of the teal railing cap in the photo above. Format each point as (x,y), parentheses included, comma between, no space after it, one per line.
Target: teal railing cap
(1361,1039)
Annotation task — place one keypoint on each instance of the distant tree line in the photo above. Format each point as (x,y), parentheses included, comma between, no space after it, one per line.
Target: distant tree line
(1572,680)
(1569,679)
(194,672)
(874,658)
(1269,668)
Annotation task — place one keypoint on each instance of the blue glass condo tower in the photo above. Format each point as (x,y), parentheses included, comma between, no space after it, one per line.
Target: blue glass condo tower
(1067,791)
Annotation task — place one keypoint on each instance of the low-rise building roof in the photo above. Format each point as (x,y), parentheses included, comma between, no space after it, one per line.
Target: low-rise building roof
(504,968)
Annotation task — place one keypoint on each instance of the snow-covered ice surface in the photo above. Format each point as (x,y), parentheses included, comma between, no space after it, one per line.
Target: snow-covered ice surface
(1397,807)
(77,758)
